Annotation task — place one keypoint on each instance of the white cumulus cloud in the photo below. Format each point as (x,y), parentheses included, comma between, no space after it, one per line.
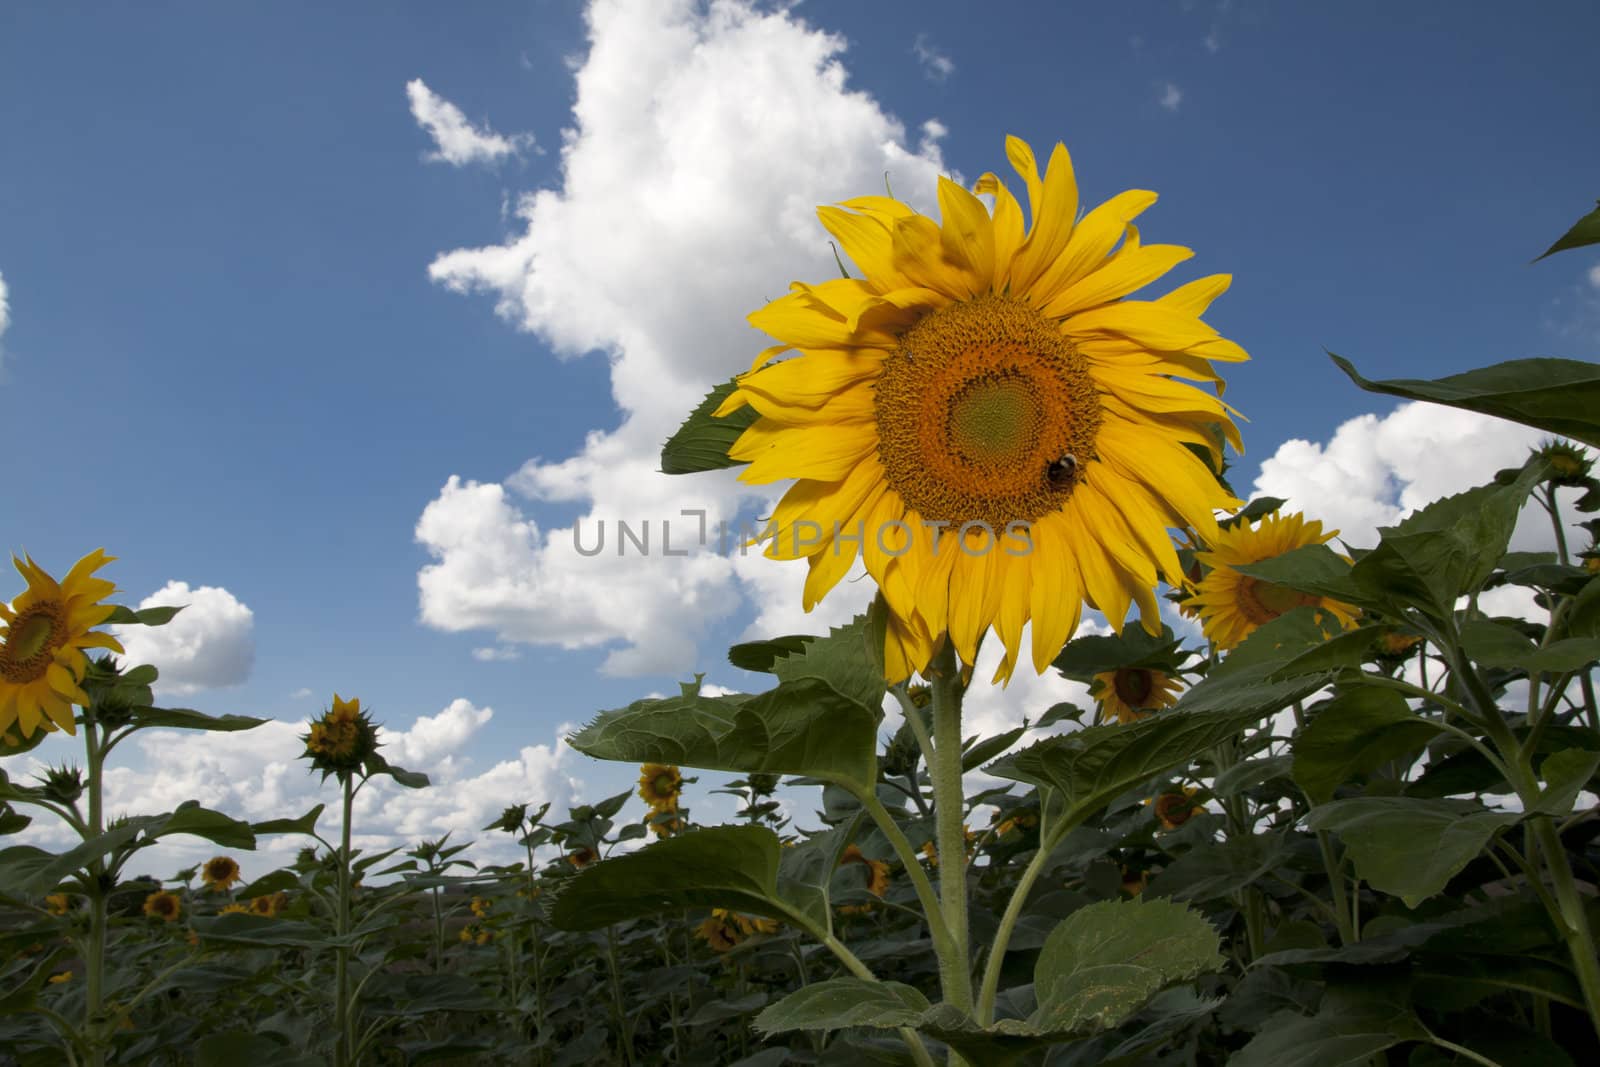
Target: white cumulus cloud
(936,66)
(1376,470)
(703,138)
(210,644)
(458,142)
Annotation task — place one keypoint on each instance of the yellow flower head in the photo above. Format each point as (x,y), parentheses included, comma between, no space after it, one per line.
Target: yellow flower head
(43,633)
(236,909)
(720,931)
(269,906)
(659,785)
(987,419)
(1172,810)
(877,878)
(1231,605)
(58,979)
(1130,693)
(481,906)
(220,873)
(163,905)
(582,857)
(58,903)
(341,741)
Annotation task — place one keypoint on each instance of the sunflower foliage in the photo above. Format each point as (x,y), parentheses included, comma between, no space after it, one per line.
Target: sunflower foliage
(1352,822)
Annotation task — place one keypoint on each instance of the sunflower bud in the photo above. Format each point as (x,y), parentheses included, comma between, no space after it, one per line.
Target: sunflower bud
(342,740)
(63,783)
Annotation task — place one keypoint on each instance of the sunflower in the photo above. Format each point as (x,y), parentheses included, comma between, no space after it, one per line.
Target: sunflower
(659,786)
(220,873)
(720,931)
(163,905)
(58,903)
(877,878)
(341,741)
(582,857)
(269,905)
(986,420)
(236,909)
(481,906)
(46,628)
(1172,810)
(1231,605)
(1128,694)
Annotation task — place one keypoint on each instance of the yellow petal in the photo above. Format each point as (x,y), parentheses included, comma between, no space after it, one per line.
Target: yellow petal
(1054,211)
(826,453)
(866,240)
(967,235)
(1056,596)
(1008,227)
(1116,280)
(1092,241)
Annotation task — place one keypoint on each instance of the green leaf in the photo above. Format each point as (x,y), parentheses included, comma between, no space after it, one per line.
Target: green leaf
(1340,1034)
(720,867)
(842,662)
(761,655)
(1103,962)
(1091,766)
(1586,231)
(1494,644)
(990,747)
(805,870)
(30,871)
(1250,678)
(802,727)
(1315,569)
(1085,657)
(1446,550)
(305,824)
(191,818)
(1261,505)
(233,1047)
(416,994)
(375,764)
(1566,774)
(159,616)
(702,442)
(1215,869)
(1558,395)
(1408,846)
(186,719)
(1353,734)
(260,932)
(841,1002)
(1251,773)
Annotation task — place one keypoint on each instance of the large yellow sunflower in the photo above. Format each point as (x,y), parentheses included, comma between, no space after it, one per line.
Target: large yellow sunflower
(986,419)
(1231,605)
(45,632)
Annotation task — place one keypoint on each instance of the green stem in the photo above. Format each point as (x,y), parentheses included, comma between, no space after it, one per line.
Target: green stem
(344,1029)
(1341,906)
(913,1040)
(1008,922)
(624,1038)
(95,964)
(536,943)
(1555,521)
(943,943)
(949,801)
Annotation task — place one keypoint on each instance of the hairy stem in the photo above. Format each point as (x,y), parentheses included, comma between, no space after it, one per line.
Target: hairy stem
(950,809)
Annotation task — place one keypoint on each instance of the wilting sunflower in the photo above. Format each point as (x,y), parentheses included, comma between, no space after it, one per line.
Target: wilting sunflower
(877,878)
(219,873)
(1231,605)
(46,628)
(726,929)
(1128,694)
(986,419)
(659,785)
(163,905)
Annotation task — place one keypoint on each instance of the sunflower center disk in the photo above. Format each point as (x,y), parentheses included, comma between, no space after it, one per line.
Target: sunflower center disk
(1133,685)
(985,414)
(26,652)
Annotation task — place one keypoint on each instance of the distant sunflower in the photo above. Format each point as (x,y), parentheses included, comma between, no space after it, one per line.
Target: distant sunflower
(582,857)
(220,873)
(1172,810)
(269,905)
(659,785)
(46,628)
(985,418)
(877,878)
(720,931)
(58,903)
(1128,694)
(236,909)
(163,905)
(1231,605)
(342,739)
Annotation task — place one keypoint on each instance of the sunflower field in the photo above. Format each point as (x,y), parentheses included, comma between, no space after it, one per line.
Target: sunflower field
(1353,822)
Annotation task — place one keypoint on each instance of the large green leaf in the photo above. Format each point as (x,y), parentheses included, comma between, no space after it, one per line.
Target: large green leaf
(1566,774)
(1254,678)
(1558,395)
(805,726)
(1448,549)
(1408,846)
(1105,961)
(1315,569)
(305,824)
(842,662)
(30,871)
(1091,766)
(1494,644)
(1215,869)
(841,1002)
(1356,732)
(702,442)
(233,1047)
(187,719)
(1342,1032)
(1085,657)
(191,818)
(732,867)
(806,869)
(1586,231)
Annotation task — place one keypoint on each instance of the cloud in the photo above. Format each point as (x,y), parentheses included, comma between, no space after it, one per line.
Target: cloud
(936,66)
(1171,96)
(258,774)
(300,694)
(495,654)
(1213,41)
(1376,470)
(703,138)
(210,644)
(5,315)
(458,141)
(1594,282)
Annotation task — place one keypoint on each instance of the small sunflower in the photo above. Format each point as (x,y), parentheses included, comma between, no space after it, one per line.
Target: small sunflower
(720,931)
(46,628)
(269,905)
(1569,464)
(219,873)
(1128,694)
(1172,810)
(877,878)
(163,905)
(986,419)
(340,741)
(58,903)
(930,851)
(1026,820)
(58,979)
(1231,605)
(1398,643)
(236,909)
(582,857)
(659,785)
(481,907)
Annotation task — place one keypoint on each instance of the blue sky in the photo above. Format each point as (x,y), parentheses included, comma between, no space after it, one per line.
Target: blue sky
(257,315)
